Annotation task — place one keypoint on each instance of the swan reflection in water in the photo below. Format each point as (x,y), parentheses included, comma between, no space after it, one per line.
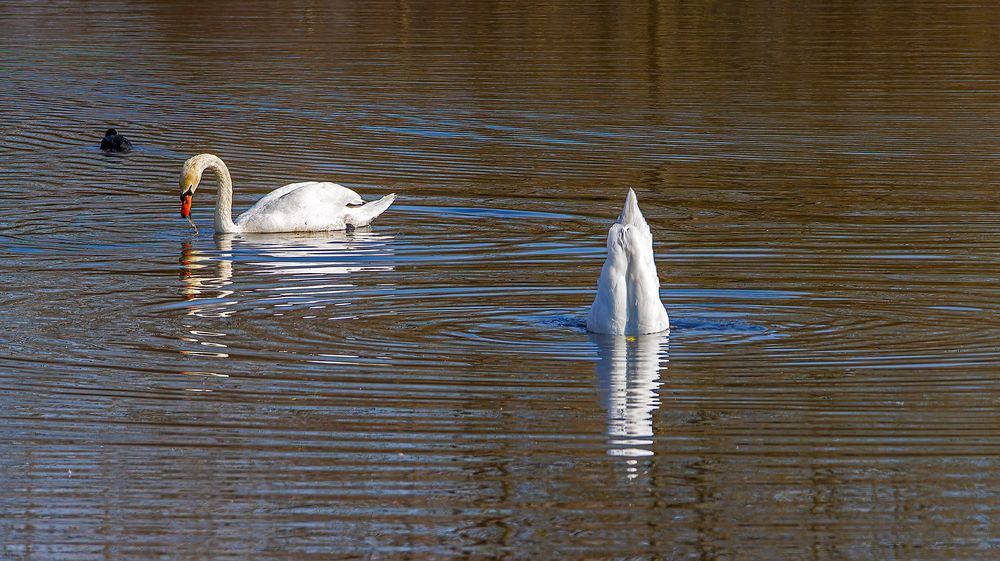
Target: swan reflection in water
(628,378)
(204,274)
(292,262)
(264,273)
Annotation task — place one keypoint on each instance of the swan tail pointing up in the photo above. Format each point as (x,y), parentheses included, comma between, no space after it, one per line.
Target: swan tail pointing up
(628,292)
(366,213)
(631,215)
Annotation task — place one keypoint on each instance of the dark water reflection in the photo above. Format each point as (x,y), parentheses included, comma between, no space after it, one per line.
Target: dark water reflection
(819,179)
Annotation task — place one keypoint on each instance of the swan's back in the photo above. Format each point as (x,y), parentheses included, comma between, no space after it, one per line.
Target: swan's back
(628,292)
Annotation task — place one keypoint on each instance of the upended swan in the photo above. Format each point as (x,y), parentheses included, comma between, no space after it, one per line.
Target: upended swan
(628,292)
(312,206)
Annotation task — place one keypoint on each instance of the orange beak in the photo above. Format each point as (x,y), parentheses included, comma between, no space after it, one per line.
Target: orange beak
(186,205)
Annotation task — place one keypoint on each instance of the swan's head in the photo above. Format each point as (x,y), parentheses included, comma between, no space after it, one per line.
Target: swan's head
(110,132)
(190,178)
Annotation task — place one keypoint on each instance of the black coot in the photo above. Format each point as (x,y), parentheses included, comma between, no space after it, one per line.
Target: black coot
(114,142)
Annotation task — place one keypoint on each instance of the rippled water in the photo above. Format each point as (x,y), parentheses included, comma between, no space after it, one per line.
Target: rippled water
(820,184)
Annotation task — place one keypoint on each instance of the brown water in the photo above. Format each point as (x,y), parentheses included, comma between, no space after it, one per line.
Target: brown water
(819,178)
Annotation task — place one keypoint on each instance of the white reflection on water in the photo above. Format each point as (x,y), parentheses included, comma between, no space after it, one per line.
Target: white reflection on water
(327,254)
(291,262)
(628,378)
(275,274)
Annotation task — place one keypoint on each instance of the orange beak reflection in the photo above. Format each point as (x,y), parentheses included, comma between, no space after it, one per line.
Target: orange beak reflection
(186,205)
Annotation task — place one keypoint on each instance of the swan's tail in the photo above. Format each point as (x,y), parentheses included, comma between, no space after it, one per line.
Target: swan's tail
(631,215)
(363,215)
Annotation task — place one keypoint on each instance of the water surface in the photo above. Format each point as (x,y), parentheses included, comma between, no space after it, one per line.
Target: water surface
(818,179)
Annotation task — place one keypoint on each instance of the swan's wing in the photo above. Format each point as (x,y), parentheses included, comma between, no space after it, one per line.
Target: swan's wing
(646,311)
(300,207)
(609,312)
(319,190)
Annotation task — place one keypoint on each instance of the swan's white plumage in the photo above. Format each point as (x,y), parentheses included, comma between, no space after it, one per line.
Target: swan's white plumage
(310,206)
(628,292)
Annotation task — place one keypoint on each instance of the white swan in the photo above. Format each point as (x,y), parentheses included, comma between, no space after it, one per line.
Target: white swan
(300,207)
(628,292)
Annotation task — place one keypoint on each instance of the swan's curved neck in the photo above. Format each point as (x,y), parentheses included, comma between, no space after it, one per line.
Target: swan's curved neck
(224,200)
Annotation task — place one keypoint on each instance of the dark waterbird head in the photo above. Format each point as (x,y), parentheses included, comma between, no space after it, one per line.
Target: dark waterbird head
(110,132)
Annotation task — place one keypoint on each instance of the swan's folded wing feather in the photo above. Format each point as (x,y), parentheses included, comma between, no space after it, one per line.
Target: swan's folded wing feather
(310,191)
